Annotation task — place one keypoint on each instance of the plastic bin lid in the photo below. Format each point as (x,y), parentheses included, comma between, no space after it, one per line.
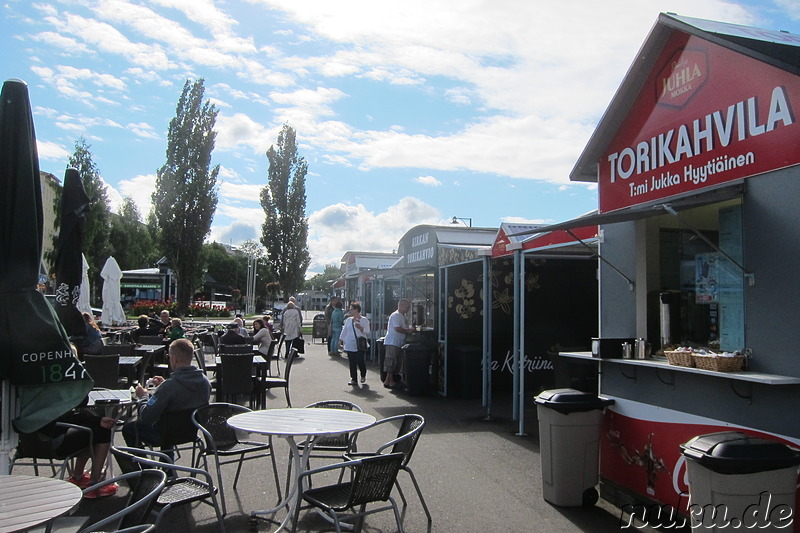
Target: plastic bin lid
(567,401)
(731,452)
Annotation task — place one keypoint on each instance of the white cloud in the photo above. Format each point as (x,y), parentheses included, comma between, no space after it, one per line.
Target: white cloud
(239,129)
(337,228)
(430,181)
(140,188)
(51,150)
(144,130)
(239,191)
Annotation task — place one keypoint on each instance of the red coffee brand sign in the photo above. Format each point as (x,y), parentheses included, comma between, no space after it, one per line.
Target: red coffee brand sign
(682,78)
(705,116)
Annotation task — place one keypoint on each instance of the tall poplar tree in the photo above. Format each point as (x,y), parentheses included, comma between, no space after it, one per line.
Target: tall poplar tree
(96,245)
(185,198)
(285,230)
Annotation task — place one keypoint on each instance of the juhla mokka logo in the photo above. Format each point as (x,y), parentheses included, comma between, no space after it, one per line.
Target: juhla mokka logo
(681,78)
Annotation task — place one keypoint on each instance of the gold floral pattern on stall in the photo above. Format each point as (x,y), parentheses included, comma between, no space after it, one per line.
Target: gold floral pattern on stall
(463,299)
(503,300)
(532,282)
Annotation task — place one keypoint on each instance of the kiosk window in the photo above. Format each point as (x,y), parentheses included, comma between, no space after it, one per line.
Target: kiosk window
(700,299)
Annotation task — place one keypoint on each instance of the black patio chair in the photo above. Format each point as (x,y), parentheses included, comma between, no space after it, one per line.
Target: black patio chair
(104,370)
(370,480)
(411,426)
(269,382)
(196,486)
(145,486)
(235,377)
(222,442)
(35,447)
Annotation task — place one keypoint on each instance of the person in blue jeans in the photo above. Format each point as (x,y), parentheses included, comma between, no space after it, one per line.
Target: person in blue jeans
(187,388)
(354,327)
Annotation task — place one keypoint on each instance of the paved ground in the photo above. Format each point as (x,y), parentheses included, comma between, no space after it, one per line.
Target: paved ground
(477,475)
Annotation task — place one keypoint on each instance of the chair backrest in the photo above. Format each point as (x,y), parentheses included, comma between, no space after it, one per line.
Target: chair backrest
(145,485)
(235,348)
(177,428)
(335,404)
(212,420)
(104,370)
(235,374)
(271,349)
(118,349)
(151,339)
(287,368)
(374,479)
(408,435)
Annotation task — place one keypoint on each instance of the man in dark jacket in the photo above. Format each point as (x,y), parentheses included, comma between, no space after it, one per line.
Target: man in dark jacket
(232,336)
(186,388)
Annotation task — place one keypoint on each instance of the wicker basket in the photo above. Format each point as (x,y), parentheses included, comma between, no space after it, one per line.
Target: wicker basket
(679,358)
(720,364)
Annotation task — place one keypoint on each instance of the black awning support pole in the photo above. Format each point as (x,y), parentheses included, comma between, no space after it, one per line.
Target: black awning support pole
(749,276)
(631,283)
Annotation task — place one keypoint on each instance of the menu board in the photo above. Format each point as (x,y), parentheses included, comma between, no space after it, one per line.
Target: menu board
(731,280)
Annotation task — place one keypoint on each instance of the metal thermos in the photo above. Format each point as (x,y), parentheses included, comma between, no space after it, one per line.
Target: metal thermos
(626,350)
(642,349)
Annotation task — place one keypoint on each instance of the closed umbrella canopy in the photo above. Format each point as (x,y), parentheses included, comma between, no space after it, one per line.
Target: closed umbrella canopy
(83,298)
(35,354)
(69,259)
(113,314)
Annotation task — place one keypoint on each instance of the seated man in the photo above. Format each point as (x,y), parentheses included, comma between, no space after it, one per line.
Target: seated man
(232,336)
(187,388)
(145,328)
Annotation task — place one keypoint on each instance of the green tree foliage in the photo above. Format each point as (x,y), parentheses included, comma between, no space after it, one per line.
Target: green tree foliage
(185,198)
(285,230)
(96,245)
(130,239)
(323,281)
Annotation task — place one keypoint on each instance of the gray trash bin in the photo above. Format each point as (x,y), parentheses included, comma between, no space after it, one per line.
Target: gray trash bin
(736,478)
(569,444)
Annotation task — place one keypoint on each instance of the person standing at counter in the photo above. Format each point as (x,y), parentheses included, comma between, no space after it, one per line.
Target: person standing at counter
(337,319)
(355,327)
(396,332)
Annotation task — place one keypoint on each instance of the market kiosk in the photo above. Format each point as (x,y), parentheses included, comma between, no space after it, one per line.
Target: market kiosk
(696,161)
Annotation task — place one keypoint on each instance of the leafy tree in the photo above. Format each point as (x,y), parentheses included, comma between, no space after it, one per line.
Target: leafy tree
(130,239)
(96,245)
(322,281)
(186,189)
(285,231)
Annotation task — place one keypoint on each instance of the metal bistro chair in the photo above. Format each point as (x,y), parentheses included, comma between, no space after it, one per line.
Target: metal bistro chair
(235,377)
(145,486)
(235,349)
(330,446)
(222,441)
(104,370)
(268,383)
(196,486)
(176,429)
(371,480)
(411,426)
(35,447)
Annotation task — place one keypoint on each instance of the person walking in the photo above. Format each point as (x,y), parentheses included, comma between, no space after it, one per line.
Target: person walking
(291,326)
(337,319)
(355,327)
(396,332)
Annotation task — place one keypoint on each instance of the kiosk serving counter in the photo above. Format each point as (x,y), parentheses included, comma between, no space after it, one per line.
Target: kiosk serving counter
(696,161)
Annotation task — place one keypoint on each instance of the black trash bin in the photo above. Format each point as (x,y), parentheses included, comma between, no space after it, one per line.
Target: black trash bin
(753,479)
(417,357)
(569,444)
(466,374)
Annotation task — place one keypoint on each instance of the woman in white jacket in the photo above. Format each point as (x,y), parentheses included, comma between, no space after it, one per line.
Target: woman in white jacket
(355,326)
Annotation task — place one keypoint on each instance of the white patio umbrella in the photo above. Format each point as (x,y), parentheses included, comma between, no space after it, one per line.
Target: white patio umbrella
(113,314)
(83,305)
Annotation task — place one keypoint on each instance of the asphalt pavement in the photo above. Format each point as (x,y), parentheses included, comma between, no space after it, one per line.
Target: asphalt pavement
(477,474)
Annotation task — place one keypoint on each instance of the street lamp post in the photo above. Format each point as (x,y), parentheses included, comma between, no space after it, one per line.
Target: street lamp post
(466,221)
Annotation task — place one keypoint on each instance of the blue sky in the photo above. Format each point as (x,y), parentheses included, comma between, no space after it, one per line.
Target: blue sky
(407,112)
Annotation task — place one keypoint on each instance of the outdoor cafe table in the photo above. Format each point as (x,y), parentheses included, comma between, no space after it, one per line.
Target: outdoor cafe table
(290,423)
(28,501)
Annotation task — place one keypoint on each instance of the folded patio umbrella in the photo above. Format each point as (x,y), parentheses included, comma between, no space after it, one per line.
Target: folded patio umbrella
(35,353)
(113,314)
(69,259)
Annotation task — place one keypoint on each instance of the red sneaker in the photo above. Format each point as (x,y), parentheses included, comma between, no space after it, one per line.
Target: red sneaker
(102,492)
(83,481)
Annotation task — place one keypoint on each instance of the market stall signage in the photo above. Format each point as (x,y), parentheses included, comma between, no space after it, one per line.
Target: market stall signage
(705,115)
